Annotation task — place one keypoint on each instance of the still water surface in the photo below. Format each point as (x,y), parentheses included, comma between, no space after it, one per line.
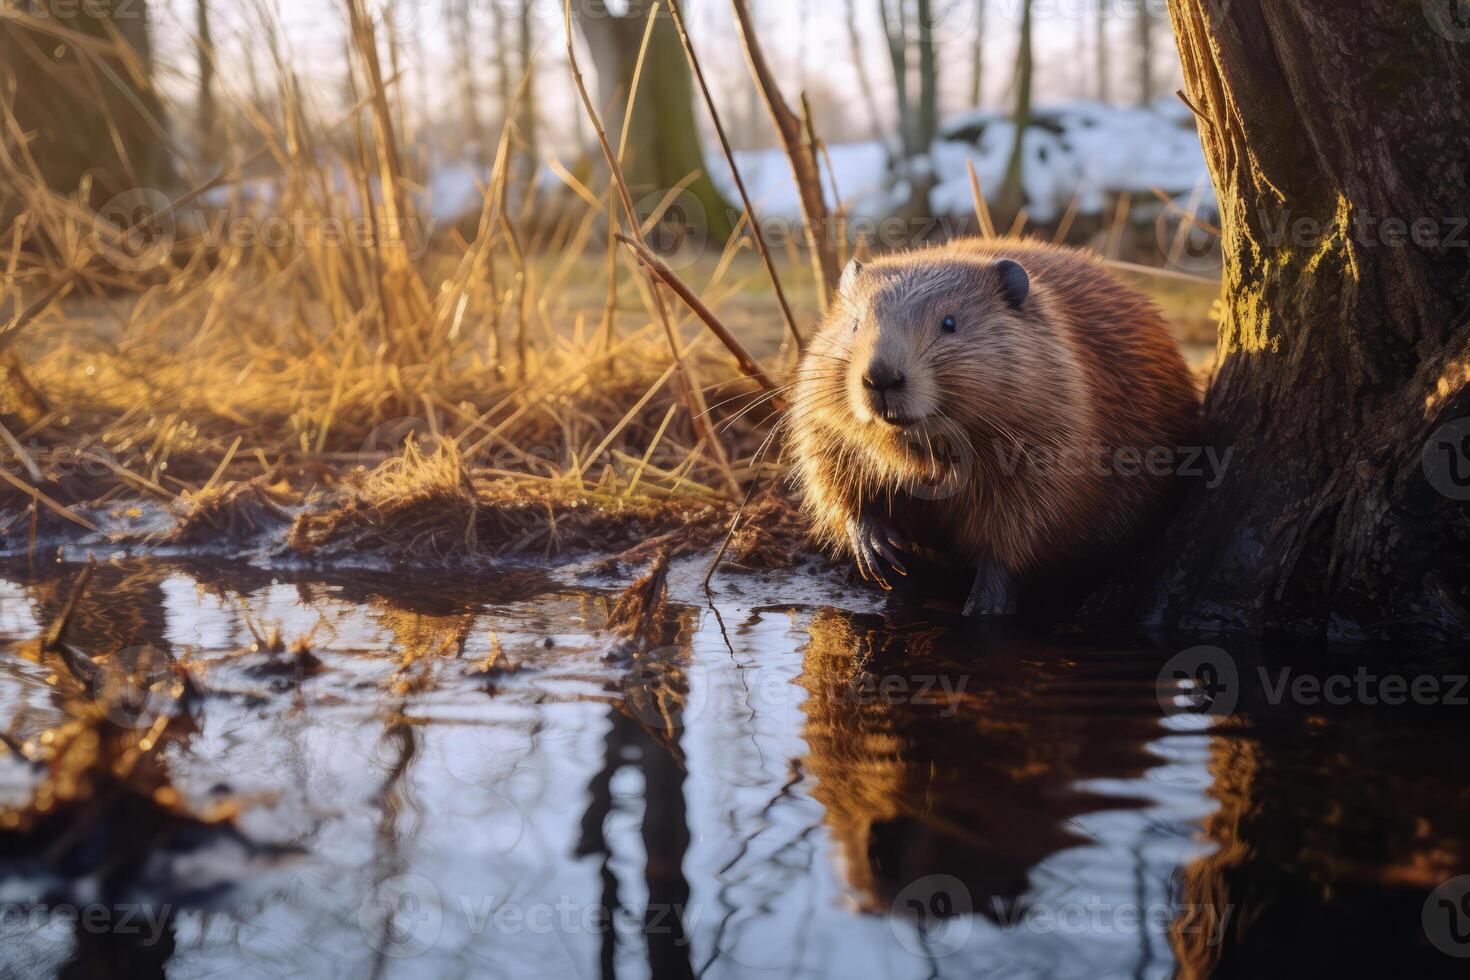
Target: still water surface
(801,781)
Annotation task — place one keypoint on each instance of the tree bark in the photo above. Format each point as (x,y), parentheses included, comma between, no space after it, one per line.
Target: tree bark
(663,145)
(1339,145)
(86,122)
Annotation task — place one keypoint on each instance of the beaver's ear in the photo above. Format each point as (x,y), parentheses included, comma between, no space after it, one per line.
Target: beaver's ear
(1015,284)
(849,277)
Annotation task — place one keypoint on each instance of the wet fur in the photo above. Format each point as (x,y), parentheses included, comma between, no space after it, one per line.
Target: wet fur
(1083,362)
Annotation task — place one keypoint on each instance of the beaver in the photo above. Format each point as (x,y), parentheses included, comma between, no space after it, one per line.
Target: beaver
(1004,404)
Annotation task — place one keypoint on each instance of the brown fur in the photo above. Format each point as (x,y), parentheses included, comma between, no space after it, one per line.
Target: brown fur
(1017,403)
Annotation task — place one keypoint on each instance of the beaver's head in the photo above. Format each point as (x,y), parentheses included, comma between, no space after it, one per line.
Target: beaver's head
(929,341)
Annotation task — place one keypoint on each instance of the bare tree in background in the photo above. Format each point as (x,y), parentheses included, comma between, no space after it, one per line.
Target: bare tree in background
(978,55)
(1012,196)
(909,28)
(94,112)
(505,80)
(462,38)
(860,69)
(526,117)
(205,119)
(1145,28)
(1104,88)
(663,144)
(977,66)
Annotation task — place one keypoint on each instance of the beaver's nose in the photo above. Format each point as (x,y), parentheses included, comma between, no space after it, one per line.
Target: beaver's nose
(881,377)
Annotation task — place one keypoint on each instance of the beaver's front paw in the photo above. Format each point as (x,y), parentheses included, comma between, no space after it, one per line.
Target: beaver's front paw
(875,543)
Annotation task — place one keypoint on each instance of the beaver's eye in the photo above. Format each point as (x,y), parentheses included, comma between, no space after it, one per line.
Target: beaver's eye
(948,324)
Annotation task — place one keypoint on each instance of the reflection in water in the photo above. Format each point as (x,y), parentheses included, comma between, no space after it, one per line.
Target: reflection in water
(770,786)
(925,766)
(1334,821)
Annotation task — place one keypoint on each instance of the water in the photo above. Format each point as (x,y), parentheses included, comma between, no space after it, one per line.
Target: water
(801,782)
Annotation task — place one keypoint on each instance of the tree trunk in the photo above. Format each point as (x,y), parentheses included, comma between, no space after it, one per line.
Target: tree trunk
(464,67)
(205,120)
(928,80)
(1012,196)
(918,118)
(1104,88)
(1340,151)
(505,79)
(663,145)
(526,121)
(892,19)
(977,66)
(1145,25)
(87,122)
(865,85)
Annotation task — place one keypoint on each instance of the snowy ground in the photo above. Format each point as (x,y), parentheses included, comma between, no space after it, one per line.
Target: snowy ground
(1086,149)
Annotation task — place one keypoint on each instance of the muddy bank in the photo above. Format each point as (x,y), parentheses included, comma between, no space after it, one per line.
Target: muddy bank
(415,510)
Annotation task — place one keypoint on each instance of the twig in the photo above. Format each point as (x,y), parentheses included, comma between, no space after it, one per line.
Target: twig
(669,278)
(37,495)
(1151,270)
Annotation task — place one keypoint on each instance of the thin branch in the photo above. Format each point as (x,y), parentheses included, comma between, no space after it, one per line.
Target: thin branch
(670,278)
(804,168)
(755,229)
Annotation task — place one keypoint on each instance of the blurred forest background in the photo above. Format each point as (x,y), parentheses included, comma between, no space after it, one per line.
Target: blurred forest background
(245,245)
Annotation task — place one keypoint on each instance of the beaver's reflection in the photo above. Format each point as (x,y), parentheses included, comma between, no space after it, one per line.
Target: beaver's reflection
(937,754)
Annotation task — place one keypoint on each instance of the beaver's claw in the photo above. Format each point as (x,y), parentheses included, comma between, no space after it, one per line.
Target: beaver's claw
(874,544)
